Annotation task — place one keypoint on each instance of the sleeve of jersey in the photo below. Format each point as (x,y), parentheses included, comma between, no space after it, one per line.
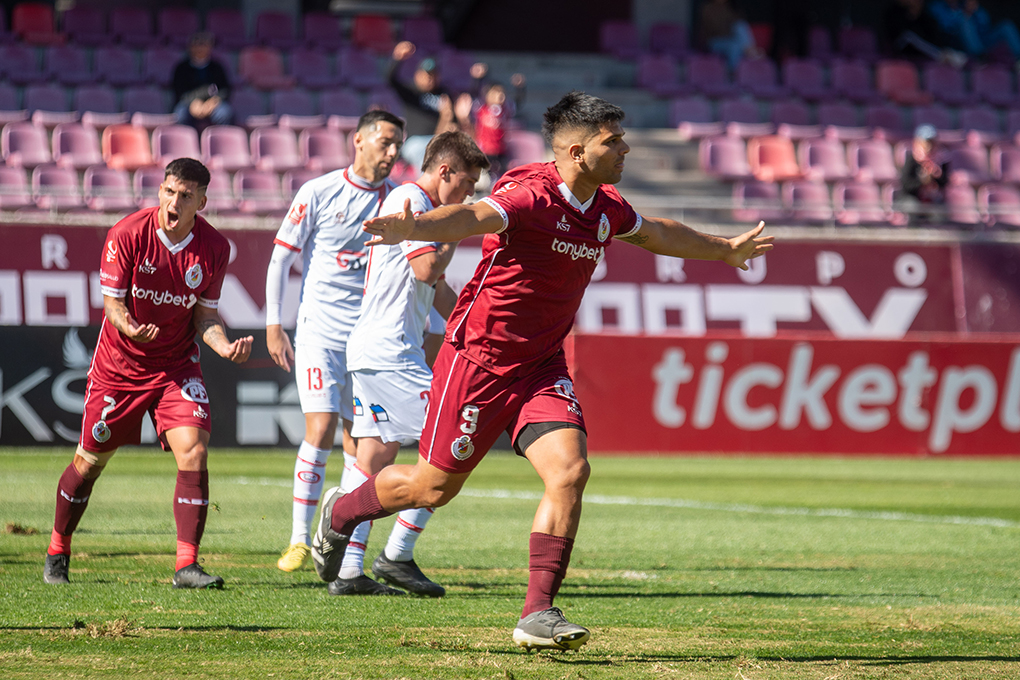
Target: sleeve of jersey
(631,223)
(115,267)
(298,224)
(210,297)
(509,205)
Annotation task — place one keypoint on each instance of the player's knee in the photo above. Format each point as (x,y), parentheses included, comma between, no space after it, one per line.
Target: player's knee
(575,473)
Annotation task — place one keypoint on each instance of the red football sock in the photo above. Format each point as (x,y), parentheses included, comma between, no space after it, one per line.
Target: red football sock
(360,505)
(550,556)
(72,498)
(187,553)
(191,506)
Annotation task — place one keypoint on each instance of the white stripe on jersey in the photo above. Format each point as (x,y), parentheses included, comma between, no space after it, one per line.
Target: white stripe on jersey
(324,223)
(389,333)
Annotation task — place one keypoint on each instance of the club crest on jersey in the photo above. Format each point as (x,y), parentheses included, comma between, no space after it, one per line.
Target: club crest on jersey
(297,213)
(603,228)
(379,413)
(147,267)
(462,447)
(194,390)
(562,223)
(193,277)
(340,216)
(100,431)
(507,188)
(111,251)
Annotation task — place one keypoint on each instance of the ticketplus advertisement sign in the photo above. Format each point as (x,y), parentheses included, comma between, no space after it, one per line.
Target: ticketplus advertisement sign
(811,394)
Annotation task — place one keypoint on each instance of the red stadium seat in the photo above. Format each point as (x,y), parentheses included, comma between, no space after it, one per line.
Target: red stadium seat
(373,32)
(32,22)
(262,67)
(897,79)
(126,147)
(773,159)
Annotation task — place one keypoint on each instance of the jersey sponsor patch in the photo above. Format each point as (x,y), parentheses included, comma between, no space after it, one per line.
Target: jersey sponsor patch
(578,251)
(507,188)
(193,277)
(351,260)
(379,413)
(297,213)
(359,409)
(111,251)
(194,390)
(147,267)
(562,223)
(200,412)
(462,447)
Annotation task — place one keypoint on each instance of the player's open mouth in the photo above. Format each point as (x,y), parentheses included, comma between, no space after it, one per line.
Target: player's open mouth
(172,219)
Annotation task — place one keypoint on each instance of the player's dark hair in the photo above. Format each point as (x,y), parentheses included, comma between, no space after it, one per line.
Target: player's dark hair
(577,110)
(188,170)
(457,149)
(372,117)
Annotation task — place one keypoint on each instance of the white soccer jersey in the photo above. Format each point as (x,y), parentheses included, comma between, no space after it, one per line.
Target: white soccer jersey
(390,330)
(324,225)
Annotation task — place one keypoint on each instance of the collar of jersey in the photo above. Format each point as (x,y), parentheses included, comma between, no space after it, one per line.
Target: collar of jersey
(570,198)
(175,248)
(359,181)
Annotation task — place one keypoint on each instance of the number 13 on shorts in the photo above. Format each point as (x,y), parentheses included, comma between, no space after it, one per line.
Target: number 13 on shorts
(470,416)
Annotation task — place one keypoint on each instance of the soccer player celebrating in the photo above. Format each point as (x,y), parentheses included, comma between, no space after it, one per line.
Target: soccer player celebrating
(502,367)
(388,363)
(161,273)
(324,228)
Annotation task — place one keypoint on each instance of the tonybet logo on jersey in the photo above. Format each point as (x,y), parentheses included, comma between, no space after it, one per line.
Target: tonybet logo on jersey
(193,277)
(164,297)
(578,251)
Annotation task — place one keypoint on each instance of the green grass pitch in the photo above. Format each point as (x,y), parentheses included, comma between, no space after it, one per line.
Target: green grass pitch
(728,568)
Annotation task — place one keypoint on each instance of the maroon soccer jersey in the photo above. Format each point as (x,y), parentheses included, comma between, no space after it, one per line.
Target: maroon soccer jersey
(521,301)
(160,282)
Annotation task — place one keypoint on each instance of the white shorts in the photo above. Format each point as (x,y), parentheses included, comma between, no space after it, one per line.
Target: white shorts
(324,385)
(390,404)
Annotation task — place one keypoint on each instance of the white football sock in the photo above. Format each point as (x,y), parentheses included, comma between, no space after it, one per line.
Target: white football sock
(406,530)
(353,565)
(309,478)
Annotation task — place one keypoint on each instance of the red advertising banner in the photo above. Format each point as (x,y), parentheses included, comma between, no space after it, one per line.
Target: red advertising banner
(808,393)
(49,277)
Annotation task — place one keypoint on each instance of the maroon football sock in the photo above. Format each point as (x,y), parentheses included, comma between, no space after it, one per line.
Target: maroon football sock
(360,505)
(550,556)
(191,505)
(73,493)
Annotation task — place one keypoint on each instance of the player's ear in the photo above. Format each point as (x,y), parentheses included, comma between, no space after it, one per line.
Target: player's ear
(576,152)
(202,199)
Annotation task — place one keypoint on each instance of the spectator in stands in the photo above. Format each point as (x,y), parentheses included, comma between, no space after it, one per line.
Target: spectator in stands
(724,32)
(429,108)
(201,86)
(493,113)
(912,31)
(972,29)
(924,174)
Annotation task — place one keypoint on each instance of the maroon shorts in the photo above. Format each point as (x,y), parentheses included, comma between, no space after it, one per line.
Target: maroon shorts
(113,416)
(469,407)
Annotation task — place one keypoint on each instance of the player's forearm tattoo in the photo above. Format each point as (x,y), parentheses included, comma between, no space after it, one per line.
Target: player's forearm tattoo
(210,329)
(116,314)
(637,239)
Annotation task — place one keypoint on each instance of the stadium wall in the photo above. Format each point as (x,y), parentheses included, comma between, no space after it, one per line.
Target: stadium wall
(822,346)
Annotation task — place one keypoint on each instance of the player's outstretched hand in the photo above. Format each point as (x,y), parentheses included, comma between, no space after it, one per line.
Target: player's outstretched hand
(748,246)
(390,229)
(140,333)
(239,350)
(279,347)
